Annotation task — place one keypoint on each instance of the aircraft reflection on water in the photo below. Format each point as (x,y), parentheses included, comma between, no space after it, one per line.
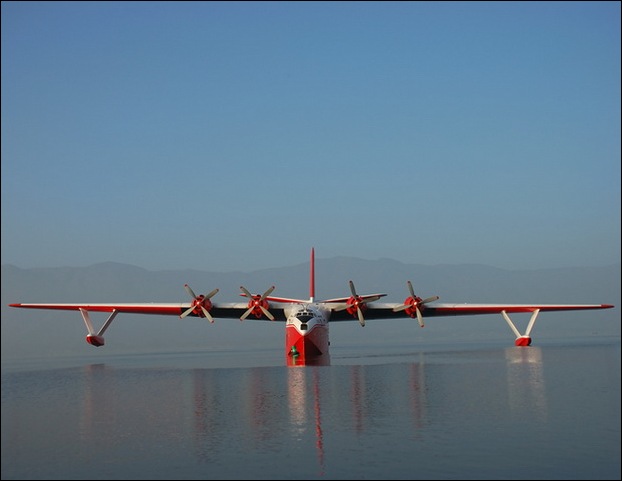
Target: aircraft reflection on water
(201,404)
(526,386)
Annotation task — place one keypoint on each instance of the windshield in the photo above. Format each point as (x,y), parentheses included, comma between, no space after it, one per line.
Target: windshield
(305,316)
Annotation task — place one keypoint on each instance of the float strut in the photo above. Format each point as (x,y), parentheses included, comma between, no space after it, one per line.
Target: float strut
(522,340)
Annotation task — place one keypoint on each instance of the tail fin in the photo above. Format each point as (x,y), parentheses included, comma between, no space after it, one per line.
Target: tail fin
(312,277)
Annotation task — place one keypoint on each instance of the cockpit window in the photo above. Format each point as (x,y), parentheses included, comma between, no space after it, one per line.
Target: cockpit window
(305,316)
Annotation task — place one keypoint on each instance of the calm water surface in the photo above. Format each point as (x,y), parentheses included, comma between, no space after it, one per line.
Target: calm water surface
(491,412)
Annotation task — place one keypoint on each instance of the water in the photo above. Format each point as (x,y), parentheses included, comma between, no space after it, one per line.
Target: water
(449,412)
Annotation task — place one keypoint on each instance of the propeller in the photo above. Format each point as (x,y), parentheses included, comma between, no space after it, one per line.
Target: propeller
(200,304)
(257,304)
(412,303)
(357,304)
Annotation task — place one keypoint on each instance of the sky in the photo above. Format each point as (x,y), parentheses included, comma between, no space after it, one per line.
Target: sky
(226,136)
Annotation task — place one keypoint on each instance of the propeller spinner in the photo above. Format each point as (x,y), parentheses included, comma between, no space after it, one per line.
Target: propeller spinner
(413,304)
(200,305)
(257,305)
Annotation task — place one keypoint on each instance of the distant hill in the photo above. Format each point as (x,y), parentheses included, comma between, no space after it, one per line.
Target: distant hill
(27,333)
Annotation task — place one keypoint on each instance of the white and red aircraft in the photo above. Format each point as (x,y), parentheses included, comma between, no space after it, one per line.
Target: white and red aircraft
(306,320)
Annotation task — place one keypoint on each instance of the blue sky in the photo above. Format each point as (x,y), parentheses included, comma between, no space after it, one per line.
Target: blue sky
(235,136)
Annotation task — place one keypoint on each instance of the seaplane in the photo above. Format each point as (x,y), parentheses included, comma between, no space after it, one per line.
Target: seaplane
(307,320)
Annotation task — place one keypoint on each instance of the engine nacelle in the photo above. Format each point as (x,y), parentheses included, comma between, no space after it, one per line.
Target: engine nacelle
(355,303)
(258,306)
(412,303)
(201,304)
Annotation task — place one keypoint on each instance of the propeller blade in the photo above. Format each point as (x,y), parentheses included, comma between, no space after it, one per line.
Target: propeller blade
(251,309)
(352,289)
(361,318)
(245,315)
(263,296)
(410,289)
(207,314)
(430,299)
(267,313)
(190,291)
(267,293)
(419,318)
(248,294)
(211,294)
(186,312)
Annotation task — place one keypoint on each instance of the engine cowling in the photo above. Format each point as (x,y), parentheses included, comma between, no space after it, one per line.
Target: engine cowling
(414,305)
(355,305)
(201,304)
(258,304)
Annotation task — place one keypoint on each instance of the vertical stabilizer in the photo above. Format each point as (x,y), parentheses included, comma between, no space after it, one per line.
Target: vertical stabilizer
(312,277)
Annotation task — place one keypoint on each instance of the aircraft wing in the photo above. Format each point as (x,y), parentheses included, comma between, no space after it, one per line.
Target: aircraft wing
(230,310)
(376,310)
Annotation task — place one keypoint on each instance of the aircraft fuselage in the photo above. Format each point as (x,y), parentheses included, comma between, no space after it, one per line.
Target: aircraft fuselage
(306,334)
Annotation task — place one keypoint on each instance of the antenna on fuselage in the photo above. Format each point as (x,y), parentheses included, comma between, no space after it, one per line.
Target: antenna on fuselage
(312,277)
